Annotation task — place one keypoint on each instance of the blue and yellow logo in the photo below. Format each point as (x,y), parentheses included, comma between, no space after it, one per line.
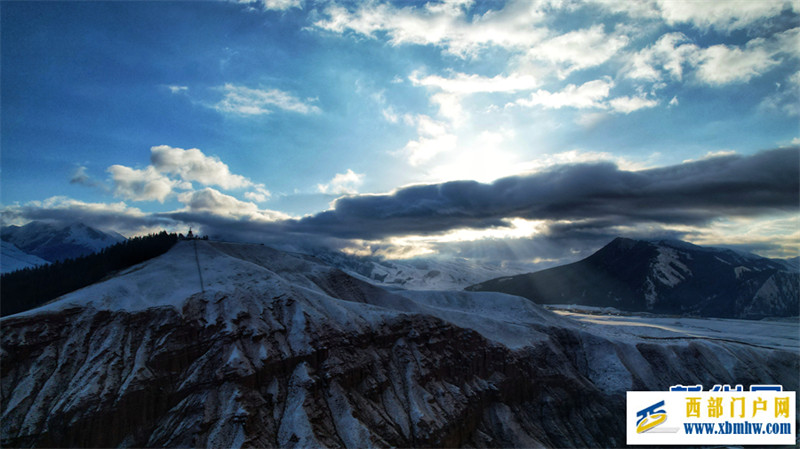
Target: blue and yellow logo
(649,417)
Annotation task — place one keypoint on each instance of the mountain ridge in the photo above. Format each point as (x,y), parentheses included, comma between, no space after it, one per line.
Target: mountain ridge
(272,349)
(56,242)
(664,276)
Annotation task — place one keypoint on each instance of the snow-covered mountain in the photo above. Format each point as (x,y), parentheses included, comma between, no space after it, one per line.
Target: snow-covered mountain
(13,258)
(423,273)
(55,242)
(230,345)
(665,276)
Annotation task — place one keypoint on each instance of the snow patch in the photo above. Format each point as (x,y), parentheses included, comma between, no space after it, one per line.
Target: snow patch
(650,295)
(13,258)
(352,431)
(295,429)
(506,319)
(668,269)
(739,270)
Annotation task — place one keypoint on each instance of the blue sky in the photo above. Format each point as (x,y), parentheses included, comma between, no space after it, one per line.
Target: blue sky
(243,118)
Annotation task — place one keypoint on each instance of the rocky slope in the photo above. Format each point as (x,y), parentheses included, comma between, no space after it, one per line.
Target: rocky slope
(225,345)
(667,276)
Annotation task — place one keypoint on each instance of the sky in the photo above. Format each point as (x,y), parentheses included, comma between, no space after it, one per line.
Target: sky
(527,131)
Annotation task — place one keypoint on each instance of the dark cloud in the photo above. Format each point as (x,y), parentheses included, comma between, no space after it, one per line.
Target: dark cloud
(80,177)
(587,205)
(584,205)
(601,194)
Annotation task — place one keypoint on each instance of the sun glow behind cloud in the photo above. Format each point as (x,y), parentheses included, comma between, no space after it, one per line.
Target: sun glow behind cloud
(410,246)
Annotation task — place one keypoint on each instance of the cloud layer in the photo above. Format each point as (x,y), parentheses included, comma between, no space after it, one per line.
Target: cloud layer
(541,213)
(599,194)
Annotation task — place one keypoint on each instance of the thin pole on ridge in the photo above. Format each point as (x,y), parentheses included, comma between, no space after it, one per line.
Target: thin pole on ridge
(199,272)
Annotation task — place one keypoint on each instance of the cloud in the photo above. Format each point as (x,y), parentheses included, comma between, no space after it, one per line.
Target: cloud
(721,64)
(175,168)
(787,98)
(274,5)
(445,24)
(390,115)
(79,176)
(667,54)
(727,15)
(451,91)
(771,236)
(223,216)
(243,100)
(141,185)
(599,194)
(588,95)
(626,105)
(724,15)
(539,215)
(193,165)
(786,42)
(342,183)
(177,89)
(210,201)
(462,83)
(434,138)
(106,216)
(716,65)
(259,195)
(712,154)
(575,157)
(207,208)
(579,49)
(450,107)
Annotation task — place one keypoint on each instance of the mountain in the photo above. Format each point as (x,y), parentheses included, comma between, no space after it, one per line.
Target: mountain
(13,258)
(667,277)
(56,242)
(792,263)
(229,345)
(414,274)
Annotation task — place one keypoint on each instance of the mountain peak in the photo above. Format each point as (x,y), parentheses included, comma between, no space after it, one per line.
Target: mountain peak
(664,276)
(622,243)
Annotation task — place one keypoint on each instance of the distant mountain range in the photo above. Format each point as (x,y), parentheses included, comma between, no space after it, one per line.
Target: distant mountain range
(50,242)
(667,277)
(415,274)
